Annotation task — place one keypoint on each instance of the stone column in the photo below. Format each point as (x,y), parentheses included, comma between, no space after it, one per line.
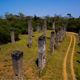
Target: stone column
(41,52)
(12,37)
(38,29)
(63,33)
(79,36)
(53,27)
(57,39)
(44,27)
(30,32)
(17,61)
(52,41)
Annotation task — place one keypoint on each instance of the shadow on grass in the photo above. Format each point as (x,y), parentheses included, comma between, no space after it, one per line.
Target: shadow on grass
(79,44)
(36,62)
(78,52)
(48,37)
(78,61)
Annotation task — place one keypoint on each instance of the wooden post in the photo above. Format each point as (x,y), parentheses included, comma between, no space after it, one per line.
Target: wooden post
(12,36)
(41,52)
(52,41)
(17,60)
(30,32)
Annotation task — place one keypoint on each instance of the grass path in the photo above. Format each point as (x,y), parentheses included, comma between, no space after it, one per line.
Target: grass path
(65,60)
(54,64)
(68,60)
(72,65)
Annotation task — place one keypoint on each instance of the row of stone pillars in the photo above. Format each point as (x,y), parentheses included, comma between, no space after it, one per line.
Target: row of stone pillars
(30,31)
(60,34)
(17,58)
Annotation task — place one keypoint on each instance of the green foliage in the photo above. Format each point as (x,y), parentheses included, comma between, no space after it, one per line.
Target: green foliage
(19,24)
(5,29)
(77,60)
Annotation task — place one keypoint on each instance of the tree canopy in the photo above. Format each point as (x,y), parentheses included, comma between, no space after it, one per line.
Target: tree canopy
(19,24)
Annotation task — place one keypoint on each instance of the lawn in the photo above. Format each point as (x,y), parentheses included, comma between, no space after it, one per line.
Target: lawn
(77,60)
(54,64)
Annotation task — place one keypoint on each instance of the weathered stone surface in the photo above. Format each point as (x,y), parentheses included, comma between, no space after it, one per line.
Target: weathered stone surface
(17,61)
(30,29)
(29,41)
(41,52)
(12,36)
(30,33)
(53,27)
(57,39)
(52,41)
(79,36)
(62,33)
(44,27)
(38,29)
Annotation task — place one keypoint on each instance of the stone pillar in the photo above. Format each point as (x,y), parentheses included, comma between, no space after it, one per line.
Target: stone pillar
(57,39)
(38,28)
(44,27)
(17,61)
(30,32)
(63,33)
(79,36)
(53,27)
(52,41)
(41,52)
(12,37)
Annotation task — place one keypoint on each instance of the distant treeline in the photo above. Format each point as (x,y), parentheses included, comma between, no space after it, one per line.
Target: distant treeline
(19,24)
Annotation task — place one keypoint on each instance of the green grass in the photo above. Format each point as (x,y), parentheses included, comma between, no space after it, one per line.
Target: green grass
(54,64)
(76,59)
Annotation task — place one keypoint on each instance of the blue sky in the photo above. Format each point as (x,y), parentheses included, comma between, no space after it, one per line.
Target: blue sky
(41,7)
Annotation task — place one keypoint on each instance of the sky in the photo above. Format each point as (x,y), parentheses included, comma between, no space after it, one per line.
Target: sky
(40,7)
